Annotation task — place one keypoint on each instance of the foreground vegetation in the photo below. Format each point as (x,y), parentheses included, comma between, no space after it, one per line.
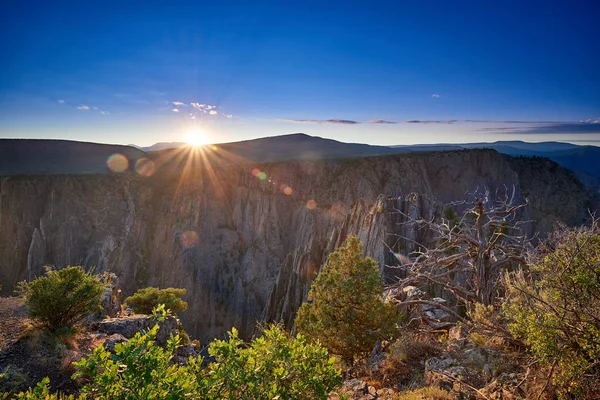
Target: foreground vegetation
(540,323)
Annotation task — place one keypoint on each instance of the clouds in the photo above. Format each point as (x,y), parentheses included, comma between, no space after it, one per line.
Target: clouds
(416,121)
(380,121)
(336,121)
(514,127)
(198,109)
(435,96)
(592,127)
(82,107)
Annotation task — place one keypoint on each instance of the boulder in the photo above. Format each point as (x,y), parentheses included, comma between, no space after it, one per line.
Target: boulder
(444,372)
(360,390)
(111,340)
(130,325)
(457,337)
(412,293)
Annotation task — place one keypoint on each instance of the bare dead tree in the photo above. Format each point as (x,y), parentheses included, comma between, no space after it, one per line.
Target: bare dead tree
(470,250)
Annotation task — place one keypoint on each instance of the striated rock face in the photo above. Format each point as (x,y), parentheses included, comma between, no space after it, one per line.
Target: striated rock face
(243,249)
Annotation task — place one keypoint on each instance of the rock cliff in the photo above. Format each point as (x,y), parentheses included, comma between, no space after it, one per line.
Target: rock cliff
(247,248)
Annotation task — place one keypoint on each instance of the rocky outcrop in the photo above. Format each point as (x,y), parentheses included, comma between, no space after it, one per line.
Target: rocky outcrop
(245,248)
(127,327)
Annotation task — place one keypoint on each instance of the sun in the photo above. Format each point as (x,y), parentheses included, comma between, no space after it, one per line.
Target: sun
(196,137)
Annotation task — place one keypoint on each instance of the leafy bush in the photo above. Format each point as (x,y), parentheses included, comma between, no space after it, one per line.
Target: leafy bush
(555,309)
(139,369)
(145,300)
(40,392)
(62,298)
(275,365)
(345,311)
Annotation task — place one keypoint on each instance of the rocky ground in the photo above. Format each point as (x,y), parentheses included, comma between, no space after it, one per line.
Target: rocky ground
(27,355)
(427,362)
(13,320)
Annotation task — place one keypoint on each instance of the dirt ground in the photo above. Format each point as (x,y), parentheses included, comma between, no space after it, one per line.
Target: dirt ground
(13,321)
(28,355)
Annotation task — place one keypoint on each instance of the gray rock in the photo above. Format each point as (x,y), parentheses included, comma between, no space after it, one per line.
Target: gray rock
(129,326)
(412,293)
(477,356)
(111,340)
(457,337)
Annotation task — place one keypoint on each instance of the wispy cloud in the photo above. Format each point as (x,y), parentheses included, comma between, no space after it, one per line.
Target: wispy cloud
(322,121)
(198,109)
(83,107)
(416,121)
(381,121)
(436,96)
(175,110)
(556,128)
(60,101)
(341,121)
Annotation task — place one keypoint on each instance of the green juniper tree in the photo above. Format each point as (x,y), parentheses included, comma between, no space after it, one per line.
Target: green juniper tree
(345,310)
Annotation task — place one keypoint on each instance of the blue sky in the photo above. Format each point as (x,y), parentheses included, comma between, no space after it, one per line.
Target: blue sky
(374,72)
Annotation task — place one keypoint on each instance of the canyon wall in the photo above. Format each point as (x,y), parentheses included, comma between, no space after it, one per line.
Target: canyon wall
(246,249)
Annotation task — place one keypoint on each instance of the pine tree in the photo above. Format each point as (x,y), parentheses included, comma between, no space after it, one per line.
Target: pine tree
(345,311)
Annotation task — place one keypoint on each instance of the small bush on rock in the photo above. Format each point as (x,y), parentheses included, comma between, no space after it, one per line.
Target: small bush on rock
(145,300)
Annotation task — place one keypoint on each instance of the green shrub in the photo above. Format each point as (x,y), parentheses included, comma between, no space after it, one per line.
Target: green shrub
(63,297)
(13,380)
(274,366)
(40,392)
(345,311)
(139,369)
(145,300)
(555,309)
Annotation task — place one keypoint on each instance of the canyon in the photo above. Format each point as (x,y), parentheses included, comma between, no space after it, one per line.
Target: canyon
(246,244)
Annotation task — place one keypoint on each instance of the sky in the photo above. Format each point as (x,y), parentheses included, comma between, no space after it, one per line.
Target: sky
(389,73)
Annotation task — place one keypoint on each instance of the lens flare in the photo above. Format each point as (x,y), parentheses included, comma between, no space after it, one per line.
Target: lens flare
(189,239)
(287,190)
(255,172)
(117,162)
(262,176)
(311,204)
(145,167)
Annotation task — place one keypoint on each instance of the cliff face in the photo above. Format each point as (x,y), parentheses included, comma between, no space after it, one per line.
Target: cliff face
(243,248)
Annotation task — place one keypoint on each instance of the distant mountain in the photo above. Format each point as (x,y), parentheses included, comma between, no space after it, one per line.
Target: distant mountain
(41,156)
(33,156)
(299,146)
(164,145)
(295,146)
